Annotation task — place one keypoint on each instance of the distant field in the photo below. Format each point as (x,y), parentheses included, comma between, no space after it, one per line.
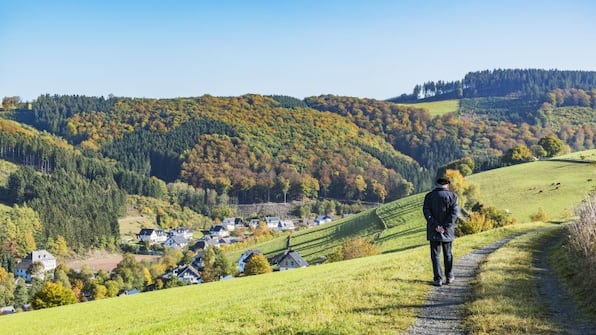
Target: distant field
(438,107)
(555,186)
(587,155)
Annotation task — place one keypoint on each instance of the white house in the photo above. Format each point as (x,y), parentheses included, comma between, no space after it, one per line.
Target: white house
(152,235)
(323,219)
(272,222)
(42,256)
(183,232)
(177,242)
(286,225)
(219,231)
(186,273)
(229,224)
(254,223)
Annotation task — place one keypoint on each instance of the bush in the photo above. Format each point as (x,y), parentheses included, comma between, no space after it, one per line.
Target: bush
(357,248)
(257,265)
(481,219)
(539,216)
(474,223)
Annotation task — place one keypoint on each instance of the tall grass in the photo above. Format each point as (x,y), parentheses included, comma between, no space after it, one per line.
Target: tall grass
(576,261)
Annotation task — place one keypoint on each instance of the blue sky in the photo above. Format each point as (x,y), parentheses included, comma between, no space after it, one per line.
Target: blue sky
(375,49)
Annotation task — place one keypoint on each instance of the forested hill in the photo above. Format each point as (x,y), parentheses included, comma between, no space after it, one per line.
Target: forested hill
(254,148)
(529,83)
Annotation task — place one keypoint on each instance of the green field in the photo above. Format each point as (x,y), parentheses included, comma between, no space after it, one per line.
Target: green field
(438,107)
(555,186)
(372,295)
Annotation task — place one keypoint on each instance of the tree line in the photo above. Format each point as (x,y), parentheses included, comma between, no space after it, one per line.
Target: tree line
(529,83)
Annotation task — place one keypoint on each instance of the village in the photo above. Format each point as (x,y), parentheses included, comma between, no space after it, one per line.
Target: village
(40,264)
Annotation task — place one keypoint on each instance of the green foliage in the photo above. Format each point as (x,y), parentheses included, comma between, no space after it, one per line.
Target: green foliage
(52,295)
(216,265)
(7,287)
(19,228)
(130,272)
(518,154)
(552,145)
(257,265)
(483,218)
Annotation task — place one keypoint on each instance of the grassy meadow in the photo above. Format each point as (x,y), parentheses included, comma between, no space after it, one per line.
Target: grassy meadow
(374,295)
(555,186)
(438,107)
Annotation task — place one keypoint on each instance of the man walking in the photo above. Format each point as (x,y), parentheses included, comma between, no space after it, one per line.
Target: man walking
(440,211)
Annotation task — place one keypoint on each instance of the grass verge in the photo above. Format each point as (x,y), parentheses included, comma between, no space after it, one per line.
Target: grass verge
(505,298)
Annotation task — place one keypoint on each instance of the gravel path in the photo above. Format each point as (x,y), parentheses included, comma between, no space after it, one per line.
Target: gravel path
(442,313)
(561,305)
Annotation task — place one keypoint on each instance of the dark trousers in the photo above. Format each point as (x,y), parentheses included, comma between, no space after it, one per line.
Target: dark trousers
(435,256)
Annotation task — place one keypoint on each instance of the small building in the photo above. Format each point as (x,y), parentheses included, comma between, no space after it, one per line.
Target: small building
(286,225)
(219,231)
(42,256)
(186,273)
(183,232)
(254,223)
(272,222)
(7,310)
(322,219)
(152,235)
(289,259)
(229,224)
(176,242)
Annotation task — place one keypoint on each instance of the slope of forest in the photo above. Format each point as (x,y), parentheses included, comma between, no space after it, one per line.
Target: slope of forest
(205,153)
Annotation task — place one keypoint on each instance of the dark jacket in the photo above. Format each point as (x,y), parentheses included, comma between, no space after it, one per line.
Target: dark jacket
(440,209)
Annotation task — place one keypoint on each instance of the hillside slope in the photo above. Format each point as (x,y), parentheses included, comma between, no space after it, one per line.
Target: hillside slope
(399,225)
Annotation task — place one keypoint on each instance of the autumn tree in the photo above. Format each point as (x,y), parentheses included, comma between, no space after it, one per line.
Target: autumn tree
(10,103)
(552,145)
(518,154)
(257,265)
(7,286)
(52,295)
(215,264)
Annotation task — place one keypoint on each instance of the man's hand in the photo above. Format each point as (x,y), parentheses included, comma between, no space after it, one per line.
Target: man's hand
(440,229)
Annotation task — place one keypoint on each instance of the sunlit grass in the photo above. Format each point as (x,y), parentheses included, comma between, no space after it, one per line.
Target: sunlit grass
(506,299)
(438,107)
(374,295)
(556,187)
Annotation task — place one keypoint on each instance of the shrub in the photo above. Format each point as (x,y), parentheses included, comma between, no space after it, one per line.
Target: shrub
(474,223)
(357,248)
(257,265)
(539,216)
